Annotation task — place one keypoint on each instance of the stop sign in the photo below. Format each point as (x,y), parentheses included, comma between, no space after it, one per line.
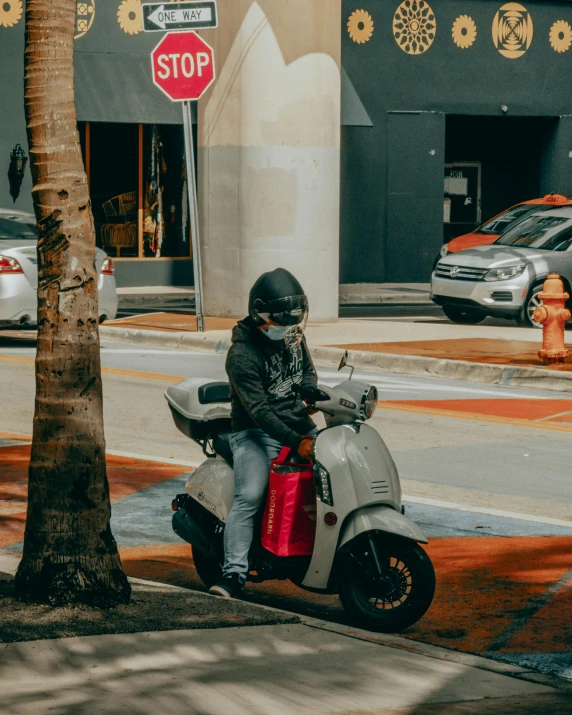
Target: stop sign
(183,65)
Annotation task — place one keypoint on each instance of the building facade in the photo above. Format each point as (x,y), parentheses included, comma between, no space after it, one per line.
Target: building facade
(131,136)
(451,111)
(467,110)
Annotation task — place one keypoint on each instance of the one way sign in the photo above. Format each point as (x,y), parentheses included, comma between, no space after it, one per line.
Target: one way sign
(167,16)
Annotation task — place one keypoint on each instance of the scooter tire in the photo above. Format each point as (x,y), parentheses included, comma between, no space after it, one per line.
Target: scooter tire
(356,592)
(208,569)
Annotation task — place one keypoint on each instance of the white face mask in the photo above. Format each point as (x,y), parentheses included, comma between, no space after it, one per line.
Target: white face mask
(291,334)
(276,332)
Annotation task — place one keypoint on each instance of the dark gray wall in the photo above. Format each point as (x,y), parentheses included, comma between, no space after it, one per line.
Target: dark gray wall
(113,84)
(416,154)
(556,172)
(153,272)
(12,120)
(447,80)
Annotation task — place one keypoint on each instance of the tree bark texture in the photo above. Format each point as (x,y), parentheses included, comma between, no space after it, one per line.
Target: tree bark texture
(70,555)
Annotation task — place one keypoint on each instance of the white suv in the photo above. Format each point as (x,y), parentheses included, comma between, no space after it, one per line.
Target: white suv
(505,278)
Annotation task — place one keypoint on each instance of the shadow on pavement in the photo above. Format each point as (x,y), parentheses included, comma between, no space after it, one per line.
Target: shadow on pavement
(244,671)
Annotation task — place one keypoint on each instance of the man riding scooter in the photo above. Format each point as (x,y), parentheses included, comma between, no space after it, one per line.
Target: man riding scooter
(268,367)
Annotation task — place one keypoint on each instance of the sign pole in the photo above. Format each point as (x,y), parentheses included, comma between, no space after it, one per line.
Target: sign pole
(183,68)
(194,214)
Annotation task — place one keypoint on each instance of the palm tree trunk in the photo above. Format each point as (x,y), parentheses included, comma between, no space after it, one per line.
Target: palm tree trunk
(70,555)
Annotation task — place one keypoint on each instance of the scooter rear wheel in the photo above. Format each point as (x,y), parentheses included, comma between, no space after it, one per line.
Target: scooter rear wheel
(208,569)
(394,599)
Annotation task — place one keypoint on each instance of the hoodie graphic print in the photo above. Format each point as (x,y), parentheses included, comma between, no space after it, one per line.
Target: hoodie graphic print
(284,370)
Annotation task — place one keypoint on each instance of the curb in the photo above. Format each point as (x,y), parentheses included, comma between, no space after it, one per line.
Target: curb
(538,378)
(398,364)
(395,299)
(137,301)
(159,338)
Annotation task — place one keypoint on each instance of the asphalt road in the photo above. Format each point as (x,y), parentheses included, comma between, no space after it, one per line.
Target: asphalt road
(467,460)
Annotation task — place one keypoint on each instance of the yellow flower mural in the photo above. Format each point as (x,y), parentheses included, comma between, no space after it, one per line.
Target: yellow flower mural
(10,12)
(84,17)
(512,30)
(360,26)
(464,31)
(414,26)
(130,17)
(560,36)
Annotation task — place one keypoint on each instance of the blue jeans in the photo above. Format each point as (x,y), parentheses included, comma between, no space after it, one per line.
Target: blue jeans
(253,451)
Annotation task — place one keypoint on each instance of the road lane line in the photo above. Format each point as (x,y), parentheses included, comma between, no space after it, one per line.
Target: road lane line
(162,460)
(104,370)
(552,417)
(17,359)
(142,351)
(490,512)
(13,435)
(157,376)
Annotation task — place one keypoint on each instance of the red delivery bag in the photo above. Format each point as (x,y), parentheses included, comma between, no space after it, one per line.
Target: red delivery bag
(289,524)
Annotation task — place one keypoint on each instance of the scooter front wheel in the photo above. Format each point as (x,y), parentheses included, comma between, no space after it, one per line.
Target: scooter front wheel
(389,585)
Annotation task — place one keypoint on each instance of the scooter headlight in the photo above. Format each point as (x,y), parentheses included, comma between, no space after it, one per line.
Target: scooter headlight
(368,403)
(323,484)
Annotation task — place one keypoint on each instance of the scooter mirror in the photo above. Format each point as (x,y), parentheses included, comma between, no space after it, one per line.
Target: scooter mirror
(343,361)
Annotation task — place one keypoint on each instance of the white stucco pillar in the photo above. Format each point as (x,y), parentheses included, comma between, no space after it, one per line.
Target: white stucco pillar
(269,146)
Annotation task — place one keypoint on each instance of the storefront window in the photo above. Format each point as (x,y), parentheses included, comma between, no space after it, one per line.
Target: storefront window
(138,188)
(114,150)
(166,217)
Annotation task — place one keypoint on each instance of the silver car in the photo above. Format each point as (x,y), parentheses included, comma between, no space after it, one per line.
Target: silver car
(19,272)
(505,278)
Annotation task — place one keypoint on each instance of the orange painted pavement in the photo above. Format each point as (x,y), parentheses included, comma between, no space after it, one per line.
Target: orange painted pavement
(13,491)
(126,476)
(521,409)
(183,322)
(484,585)
(549,630)
(485,350)
(493,411)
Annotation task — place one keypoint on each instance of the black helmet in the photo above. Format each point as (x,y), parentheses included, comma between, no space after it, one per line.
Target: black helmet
(278,296)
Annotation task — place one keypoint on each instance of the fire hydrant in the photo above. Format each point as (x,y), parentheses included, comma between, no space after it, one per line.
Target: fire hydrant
(553,315)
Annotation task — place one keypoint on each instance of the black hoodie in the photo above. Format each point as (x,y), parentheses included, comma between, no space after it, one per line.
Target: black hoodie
(262,373)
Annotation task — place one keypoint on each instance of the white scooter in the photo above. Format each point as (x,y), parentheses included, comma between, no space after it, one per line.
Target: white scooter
(365,549)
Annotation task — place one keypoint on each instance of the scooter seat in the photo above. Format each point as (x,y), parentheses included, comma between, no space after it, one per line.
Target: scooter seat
(221,445)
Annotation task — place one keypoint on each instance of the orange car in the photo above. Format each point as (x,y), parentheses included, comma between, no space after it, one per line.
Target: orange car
(491,230)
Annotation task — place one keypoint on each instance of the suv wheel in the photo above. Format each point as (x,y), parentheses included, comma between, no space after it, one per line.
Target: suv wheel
(462,315)
(531,302)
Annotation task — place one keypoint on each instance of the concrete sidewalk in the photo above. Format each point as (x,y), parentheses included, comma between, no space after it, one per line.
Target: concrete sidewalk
(493,353)
(309,667)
